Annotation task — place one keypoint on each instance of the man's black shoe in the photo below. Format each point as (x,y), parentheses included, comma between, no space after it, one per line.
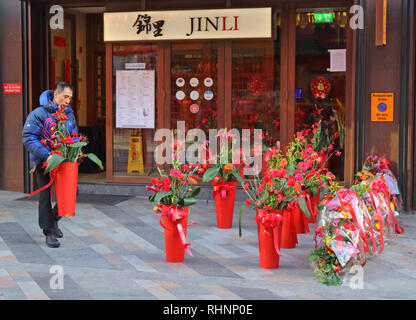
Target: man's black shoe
(57,231)
(51,241)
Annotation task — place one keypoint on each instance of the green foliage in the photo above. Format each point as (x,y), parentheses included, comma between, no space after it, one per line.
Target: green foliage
(325,264)
(55,161)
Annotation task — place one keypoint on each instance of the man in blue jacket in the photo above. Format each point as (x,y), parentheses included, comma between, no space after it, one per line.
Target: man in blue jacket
(35,129)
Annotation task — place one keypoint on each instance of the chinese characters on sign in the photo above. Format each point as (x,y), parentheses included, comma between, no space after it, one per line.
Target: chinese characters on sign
(188,24)
(143,23)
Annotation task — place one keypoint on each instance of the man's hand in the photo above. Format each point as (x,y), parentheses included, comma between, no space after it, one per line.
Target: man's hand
(49,158)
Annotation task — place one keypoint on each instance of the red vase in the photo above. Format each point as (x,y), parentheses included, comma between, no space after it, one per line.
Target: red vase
(224,196)
(314,205)
(288,238)
(269,259)
(66,180)
(299,220)
(174,248)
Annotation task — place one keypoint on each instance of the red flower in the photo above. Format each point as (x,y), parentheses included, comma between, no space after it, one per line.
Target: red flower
(67,140)
(291,181)
(303,166)
(248,202)
(339,238)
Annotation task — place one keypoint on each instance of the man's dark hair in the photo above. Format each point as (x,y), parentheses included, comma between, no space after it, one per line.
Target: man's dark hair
(61,85)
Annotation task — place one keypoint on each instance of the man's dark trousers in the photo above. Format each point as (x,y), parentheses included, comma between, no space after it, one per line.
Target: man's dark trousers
(48,217)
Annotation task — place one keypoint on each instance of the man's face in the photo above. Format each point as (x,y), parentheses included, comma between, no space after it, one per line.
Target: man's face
(62,98)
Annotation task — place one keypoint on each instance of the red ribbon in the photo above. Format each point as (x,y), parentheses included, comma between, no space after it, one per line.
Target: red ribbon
(176,215)
(376,205)
(270,220)
(318,232)
(311,207)
(221,187)
(52,175)
(346,197)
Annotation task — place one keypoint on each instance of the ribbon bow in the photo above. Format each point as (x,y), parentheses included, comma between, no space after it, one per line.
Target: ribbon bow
(270,220)
(176,215)
(221,187)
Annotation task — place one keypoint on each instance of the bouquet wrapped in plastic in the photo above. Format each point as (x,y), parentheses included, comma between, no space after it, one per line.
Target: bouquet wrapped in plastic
(342,239)
(380,167)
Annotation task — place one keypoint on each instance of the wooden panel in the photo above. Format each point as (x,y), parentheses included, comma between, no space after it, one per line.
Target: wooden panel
(109,110)
(349,107)
(284,69)
(11,147)
(291,73)
(221,84)
(383,75)
(227,84)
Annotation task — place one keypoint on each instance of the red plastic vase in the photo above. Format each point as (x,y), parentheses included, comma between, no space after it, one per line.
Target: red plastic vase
(224,196)
(288,238)
(269,259)
(66,180)
(174,248)
(299,220)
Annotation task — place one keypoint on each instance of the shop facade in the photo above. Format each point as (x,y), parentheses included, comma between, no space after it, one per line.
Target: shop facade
(278,66)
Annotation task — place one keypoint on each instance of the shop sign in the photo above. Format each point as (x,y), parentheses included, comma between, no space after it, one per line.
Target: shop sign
(188,24)
(12,88)
(382,107)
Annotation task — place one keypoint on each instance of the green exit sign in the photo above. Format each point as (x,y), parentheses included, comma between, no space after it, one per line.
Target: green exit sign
(323,17)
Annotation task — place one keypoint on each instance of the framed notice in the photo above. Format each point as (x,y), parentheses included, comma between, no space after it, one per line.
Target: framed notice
(135,99)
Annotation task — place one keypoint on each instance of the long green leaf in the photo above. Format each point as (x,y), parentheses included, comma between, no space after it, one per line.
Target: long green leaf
(160,195)
(304,207)
(238,176)
(55,161)
(96,160)
(188,202)
(195,192)
(210,174)
(79,144)
(152,171)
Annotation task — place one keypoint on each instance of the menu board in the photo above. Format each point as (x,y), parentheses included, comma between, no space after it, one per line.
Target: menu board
(135,99)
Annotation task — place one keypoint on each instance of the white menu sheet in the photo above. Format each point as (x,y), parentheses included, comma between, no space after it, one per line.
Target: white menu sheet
(135,99)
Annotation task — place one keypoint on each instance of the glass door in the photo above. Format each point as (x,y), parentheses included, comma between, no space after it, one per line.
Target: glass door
(194,84)
(320,77)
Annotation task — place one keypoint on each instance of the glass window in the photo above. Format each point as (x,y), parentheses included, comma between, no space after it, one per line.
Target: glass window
(256,86)
(134,124)
(194,84)
(320,78)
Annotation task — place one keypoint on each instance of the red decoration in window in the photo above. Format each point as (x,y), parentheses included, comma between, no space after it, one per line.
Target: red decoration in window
(256,86)
(320,87)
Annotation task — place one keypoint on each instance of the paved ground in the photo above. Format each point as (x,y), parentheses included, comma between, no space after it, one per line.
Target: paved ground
(115,250)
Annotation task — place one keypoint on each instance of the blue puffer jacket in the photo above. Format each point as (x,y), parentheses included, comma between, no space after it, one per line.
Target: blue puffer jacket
(35,127)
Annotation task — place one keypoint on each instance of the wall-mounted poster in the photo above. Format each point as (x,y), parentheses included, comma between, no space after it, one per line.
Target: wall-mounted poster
(135,99)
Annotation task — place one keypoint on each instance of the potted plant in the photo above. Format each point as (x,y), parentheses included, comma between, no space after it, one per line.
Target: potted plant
(66,150)
(174,191)
(224,176)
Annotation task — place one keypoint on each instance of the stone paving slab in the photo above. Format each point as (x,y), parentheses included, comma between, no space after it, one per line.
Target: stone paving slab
(114,249)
